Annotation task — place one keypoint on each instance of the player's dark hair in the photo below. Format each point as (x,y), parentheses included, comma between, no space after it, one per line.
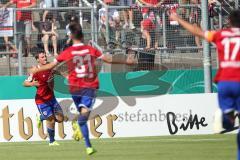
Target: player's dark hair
(76,31)
(235,18)
(36,54)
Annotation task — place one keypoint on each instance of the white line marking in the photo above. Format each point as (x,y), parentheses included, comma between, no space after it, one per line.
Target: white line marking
(121,141)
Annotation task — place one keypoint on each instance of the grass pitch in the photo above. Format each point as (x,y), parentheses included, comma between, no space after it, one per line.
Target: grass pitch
(207,147)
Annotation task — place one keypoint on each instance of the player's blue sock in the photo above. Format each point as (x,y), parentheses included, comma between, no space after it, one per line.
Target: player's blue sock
(238,145)
(42,118)
(51,133)
(82,121)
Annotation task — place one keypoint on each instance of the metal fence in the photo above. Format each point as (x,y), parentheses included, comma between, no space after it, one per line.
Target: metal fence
(49,35)
(155,40)
(153,37)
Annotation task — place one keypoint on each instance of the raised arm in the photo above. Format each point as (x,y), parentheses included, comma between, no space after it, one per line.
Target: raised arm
(107,58)
(43,68)
(197,31)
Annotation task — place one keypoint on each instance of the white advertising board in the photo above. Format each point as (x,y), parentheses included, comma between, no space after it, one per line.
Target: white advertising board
(183,114)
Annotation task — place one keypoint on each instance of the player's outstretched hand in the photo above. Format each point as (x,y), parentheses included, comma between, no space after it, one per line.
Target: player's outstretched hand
(173,16)
(35,83)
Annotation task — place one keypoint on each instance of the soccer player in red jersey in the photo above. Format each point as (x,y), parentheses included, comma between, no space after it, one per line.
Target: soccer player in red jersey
(45,100)
(228,76)
(82,76)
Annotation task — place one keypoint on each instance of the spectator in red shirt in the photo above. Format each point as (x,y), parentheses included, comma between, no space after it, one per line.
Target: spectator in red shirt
(24,18)
(149,21)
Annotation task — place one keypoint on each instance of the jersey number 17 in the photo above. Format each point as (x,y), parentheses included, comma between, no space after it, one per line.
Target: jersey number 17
(231,55)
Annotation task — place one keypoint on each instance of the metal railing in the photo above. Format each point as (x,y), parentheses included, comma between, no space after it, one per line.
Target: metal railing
(38,39)
(170,45)
(171,38)
(227,5)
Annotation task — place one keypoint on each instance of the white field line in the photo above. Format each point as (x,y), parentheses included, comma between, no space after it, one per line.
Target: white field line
(166,140)
(122,141)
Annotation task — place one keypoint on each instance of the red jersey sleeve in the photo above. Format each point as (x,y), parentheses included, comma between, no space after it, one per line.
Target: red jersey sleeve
(63,56)
(97,53)
(210,36)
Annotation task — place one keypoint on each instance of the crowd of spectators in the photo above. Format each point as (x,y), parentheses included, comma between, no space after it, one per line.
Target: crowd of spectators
(144,16)
(36,28)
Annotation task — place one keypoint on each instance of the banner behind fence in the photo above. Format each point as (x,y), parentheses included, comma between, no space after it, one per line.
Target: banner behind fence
(6,22)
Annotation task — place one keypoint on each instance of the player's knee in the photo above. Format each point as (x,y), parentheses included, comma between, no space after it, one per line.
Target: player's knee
(54,38)
(228,120)
(51,119)
(59,118)
(83,110)
(45,38)
(82,119)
